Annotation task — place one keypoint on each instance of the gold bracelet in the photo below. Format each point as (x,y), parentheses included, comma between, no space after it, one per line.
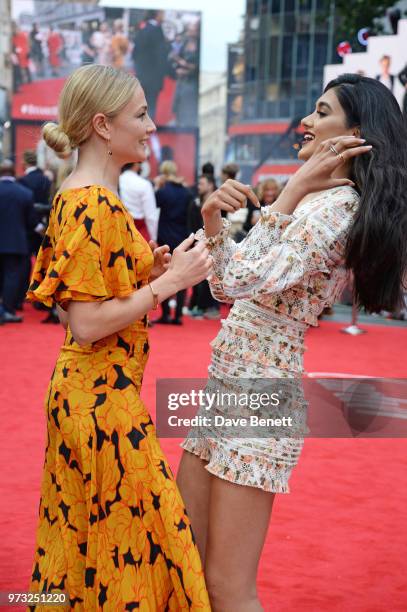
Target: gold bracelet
(155,297)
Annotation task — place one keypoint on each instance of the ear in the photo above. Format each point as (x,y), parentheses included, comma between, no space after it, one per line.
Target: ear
(356,132)
(101,125)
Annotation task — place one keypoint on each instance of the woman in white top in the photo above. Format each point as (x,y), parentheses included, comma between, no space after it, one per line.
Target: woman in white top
(346,207)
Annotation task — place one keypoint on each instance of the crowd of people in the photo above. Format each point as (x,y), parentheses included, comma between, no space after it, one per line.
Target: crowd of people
(165,210)
(42,52)
(24,209)
(35,53)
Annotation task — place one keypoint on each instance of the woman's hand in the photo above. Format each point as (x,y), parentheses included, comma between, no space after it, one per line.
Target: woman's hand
(316,174)
(162,259)
(231,196)
(189,266)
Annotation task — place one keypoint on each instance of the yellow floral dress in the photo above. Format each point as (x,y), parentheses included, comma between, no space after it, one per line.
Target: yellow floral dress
(113,531)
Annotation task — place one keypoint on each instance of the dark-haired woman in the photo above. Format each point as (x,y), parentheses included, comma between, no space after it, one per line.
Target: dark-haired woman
(346,207)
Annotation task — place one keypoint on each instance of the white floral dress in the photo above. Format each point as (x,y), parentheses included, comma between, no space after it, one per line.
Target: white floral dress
(279,279)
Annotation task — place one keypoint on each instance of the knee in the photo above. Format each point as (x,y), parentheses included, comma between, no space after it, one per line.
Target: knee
(228,595)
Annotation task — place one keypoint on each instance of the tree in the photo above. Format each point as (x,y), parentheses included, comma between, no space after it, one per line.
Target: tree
(350,17)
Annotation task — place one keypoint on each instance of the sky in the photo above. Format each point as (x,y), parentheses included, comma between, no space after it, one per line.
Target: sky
(222,21)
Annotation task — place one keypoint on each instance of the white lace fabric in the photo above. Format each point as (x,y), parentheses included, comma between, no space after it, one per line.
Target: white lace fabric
(279,278)
(289,263)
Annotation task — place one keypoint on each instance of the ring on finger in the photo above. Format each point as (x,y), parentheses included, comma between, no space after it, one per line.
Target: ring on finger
(334,150)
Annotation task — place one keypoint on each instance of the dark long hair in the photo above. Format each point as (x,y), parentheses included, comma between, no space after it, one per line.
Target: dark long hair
(376,248)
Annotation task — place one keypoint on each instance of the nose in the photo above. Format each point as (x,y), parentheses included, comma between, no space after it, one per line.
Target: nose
(306,122)
(151,128)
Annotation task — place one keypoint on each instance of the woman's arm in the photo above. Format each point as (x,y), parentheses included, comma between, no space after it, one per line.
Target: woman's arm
(314,176)
(231,196)
(312,244)
(91,321)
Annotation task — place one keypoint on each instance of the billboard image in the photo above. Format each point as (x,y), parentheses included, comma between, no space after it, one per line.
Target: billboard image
(50,39)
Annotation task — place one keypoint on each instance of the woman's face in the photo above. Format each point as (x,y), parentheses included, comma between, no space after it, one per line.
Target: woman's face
(270,194)
(131,130)
(327,121)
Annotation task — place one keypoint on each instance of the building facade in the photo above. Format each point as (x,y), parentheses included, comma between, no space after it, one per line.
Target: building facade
(5,77)
(212,119)
(285,46)
(65,15)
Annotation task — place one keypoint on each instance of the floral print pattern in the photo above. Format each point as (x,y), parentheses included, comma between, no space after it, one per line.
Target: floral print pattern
(279,279)
(113,531)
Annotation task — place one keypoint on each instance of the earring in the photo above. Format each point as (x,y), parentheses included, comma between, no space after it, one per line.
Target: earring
(109,151)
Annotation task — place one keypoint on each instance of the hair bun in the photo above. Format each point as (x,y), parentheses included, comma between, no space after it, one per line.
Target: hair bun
(57,139)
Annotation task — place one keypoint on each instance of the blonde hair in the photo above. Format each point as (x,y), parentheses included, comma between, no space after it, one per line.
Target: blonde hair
(169,168)
(269,183)
(89,90)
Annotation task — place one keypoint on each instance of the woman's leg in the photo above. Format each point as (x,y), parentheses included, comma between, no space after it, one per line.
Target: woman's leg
(194,484)
(238,521)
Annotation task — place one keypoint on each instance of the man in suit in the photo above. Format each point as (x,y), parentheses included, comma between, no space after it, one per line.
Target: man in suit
(35,180)
(150,56)
(16,218)
(385,77)
(173,200)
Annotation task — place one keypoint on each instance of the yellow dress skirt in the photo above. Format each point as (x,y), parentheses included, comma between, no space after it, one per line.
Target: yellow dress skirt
(113,532)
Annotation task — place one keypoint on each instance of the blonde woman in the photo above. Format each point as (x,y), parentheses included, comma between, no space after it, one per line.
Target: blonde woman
(120,44)
(267,192)
(113,532)
(173,201)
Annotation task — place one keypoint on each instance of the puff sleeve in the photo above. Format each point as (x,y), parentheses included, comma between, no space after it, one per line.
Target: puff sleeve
(282,250)
(311,244)
(87,253)
(224,249)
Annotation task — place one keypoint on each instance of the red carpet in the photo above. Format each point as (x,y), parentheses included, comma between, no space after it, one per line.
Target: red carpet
(338,542)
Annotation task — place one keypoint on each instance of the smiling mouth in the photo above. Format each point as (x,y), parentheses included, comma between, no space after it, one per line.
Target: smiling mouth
(307,137)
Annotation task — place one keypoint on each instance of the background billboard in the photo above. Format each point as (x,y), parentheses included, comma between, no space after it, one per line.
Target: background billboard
(50,39)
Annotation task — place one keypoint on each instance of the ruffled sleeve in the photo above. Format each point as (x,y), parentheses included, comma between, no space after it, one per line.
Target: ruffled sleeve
(312,244)
(223,248)
(87,252)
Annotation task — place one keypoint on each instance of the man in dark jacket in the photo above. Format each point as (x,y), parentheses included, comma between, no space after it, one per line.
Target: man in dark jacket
(202,303)
(150,56)
(16,219)
(35,180)
(173,200)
